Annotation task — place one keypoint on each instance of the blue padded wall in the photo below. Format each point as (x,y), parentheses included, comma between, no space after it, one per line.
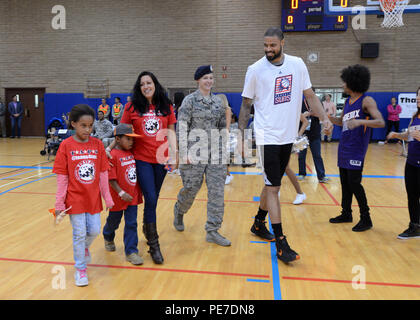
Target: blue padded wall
(58,103)
(55,104)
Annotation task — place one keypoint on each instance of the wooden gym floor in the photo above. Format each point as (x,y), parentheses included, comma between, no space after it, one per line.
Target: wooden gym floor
(36,259)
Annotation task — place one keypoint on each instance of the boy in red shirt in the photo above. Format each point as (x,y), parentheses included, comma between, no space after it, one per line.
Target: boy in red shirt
(125,192)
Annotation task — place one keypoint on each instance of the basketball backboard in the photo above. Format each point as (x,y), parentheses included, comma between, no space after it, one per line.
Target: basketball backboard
(354,7)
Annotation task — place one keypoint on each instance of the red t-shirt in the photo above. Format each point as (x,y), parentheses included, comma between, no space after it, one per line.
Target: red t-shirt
(148,126)
(124,172)
(82,162)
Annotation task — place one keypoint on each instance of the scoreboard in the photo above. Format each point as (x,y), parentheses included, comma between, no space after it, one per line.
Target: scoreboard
(308,15)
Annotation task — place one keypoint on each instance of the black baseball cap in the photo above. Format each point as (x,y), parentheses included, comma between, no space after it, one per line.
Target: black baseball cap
(124,129)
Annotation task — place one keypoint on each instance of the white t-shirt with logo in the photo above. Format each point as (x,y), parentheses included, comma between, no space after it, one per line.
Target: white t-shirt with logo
(277,92)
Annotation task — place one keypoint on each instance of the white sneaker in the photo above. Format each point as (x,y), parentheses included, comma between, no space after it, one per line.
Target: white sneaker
(228,179)
(299,198)
(80,278)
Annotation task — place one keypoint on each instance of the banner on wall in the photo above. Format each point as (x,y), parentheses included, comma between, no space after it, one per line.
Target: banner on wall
(408,103)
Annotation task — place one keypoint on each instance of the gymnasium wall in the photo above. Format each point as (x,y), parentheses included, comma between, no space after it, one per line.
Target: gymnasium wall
(117,39)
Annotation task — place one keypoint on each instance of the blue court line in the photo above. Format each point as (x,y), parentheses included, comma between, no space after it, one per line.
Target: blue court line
(24,184)
(364,176)
(275,267)
(383,177)
(18,174)
(246,173)
(258,280)
(256,199)
(25,167)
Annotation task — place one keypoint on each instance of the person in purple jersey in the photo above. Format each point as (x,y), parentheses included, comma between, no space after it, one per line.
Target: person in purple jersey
(412,172)
(360,114)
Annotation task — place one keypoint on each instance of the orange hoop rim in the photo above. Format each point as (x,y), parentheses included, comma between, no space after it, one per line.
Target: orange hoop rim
(388,5)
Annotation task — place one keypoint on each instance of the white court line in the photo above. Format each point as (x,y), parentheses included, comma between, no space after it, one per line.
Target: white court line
(19,180)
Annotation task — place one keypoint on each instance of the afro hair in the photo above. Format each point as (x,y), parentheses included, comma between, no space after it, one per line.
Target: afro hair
(357,78)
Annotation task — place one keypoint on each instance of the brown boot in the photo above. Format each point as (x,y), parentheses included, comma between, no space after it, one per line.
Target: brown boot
(150,232)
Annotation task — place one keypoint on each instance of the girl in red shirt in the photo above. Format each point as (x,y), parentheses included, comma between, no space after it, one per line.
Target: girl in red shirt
(81,166)
(152,116)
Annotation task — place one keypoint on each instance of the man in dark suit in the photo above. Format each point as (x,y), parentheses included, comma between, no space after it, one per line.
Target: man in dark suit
(16,111)
(3,118)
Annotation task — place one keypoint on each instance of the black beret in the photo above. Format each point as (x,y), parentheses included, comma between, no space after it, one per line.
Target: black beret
(202,71)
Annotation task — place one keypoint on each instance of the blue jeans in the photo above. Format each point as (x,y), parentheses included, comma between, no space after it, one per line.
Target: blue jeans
(86,227)
(130,228)
(315,146)
(16,122)
(150,177)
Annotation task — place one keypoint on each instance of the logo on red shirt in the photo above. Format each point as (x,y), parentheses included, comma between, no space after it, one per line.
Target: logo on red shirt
(85,172)
(151,125)
(131,175)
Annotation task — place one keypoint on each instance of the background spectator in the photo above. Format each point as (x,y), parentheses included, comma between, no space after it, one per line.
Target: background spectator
(16,111)
(393,117)
(3,118)
(178,98)
(117,111)
(313,132)
(104,107)
(331,110)
(103,129)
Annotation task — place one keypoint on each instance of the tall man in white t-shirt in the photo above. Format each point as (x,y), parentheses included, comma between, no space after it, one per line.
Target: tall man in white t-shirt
(276,84)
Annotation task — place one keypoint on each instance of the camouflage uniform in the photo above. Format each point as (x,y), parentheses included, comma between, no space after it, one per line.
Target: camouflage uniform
(205,113)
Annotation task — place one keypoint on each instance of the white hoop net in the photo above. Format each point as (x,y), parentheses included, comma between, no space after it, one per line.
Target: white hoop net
(393,12)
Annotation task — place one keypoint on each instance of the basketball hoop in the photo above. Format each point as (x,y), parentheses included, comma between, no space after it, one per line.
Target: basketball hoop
(393,11)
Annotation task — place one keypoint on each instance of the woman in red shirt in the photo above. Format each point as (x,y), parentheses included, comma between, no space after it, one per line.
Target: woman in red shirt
(152,116)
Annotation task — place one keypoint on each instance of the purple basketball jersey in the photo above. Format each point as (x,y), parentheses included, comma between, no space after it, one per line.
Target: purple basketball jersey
(353,143)
(413,154)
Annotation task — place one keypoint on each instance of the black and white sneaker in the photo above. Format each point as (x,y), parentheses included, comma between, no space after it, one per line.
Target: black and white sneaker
(413,232)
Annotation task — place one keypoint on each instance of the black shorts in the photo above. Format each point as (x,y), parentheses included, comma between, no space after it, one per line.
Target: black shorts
(274,159)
